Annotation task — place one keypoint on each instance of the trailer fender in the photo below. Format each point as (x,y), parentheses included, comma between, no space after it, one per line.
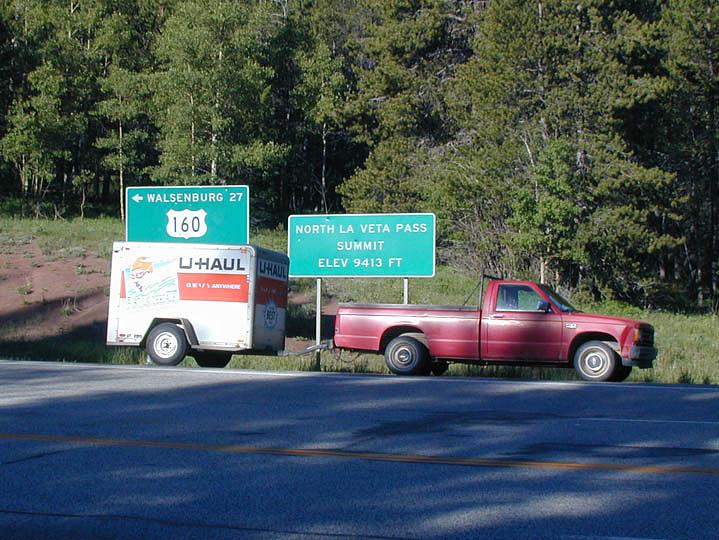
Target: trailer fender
(189,332)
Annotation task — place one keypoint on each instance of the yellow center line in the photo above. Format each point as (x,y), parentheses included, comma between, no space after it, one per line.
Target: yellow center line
(370,456)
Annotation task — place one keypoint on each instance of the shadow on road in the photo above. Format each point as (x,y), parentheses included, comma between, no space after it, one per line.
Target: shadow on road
(191,482)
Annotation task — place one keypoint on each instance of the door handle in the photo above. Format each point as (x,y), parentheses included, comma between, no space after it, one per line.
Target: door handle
(497,316)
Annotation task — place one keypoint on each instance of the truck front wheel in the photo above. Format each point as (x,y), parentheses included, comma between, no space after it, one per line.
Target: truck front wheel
(406,356)
(166,344)
(596,361)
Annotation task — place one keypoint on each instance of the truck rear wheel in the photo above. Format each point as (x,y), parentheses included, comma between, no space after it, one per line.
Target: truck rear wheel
(596,361)
(212,359)
(439,368)
(406,356)
(166,344)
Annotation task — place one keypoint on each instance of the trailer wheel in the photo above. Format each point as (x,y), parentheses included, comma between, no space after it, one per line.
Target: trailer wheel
(406,356)
(212,359)
(596,361)
(166,344)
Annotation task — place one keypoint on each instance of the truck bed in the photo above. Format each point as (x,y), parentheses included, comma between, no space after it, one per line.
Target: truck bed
(426,307)
(448,331)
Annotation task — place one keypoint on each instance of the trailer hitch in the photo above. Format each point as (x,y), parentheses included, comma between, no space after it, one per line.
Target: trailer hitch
(322,346)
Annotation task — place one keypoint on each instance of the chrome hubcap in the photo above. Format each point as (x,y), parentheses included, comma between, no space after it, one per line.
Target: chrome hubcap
(165,345)
(403,356)
(595,361)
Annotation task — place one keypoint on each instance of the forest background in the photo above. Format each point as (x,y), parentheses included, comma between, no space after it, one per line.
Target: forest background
(576,142)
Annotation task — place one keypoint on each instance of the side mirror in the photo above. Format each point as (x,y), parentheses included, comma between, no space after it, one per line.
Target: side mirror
(544,306)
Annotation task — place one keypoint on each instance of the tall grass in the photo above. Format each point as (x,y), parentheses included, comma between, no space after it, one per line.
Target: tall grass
(688,349)
(688,344)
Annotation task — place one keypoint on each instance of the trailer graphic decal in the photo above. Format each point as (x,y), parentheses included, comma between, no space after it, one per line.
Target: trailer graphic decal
(148,282)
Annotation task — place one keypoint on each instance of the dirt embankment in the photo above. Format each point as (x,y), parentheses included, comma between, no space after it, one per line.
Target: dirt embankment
(42,295)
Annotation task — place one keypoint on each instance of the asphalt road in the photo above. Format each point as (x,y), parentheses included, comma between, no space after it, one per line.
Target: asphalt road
(129,452)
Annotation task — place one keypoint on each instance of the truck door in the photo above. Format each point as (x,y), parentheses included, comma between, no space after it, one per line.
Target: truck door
(519,328)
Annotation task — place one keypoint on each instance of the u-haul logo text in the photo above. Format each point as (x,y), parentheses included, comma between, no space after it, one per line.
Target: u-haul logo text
(213,264)
(272,269)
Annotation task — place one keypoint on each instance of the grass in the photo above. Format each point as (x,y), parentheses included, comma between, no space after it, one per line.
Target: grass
(25,289)
(61,239)
(688,344)
(688,349)
(69,306)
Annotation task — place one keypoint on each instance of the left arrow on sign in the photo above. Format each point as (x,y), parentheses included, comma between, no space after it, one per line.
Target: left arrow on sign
(137,198)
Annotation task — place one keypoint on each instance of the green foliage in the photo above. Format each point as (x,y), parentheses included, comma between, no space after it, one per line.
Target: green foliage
(389,182)
(691,123)
(547,215)
(541,99)
(406,53)
(574,140)
(211,92)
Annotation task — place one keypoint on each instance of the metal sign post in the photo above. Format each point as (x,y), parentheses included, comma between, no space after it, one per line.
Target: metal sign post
(318,323)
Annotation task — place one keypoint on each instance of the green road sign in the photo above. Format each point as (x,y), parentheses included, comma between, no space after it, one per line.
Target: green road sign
(362,245)
(206,214)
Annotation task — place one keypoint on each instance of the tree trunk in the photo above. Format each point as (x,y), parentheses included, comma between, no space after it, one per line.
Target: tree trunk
(192,137)
(324,168)
(122,173)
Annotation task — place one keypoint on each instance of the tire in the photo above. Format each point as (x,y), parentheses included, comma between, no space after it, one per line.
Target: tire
(621,373)
(439,368)
(166,344)
(406,356)
(596,361)
(212,359)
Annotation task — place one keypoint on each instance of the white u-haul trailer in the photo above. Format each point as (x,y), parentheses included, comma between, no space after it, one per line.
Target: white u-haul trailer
(205,300)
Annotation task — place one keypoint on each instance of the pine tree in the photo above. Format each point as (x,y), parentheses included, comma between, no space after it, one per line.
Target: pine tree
(540,104)
(404,55)
(212,94)
(51,126)
(691,30)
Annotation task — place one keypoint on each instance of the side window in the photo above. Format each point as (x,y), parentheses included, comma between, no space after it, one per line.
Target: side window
(517,298)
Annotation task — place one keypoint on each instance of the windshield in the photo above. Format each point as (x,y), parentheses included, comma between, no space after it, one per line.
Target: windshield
(557,298)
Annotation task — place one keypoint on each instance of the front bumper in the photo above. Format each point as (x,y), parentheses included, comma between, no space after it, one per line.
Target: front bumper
(641,357)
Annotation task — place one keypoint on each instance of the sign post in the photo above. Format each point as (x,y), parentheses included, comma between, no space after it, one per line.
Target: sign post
(194,214)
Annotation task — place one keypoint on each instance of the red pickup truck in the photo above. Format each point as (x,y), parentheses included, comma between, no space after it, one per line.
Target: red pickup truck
(520,323)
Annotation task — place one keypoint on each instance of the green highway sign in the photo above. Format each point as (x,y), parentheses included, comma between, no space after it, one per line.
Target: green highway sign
(206,214)
(361,245)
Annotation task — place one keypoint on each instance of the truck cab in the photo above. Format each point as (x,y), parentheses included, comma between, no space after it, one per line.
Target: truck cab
(527,321)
